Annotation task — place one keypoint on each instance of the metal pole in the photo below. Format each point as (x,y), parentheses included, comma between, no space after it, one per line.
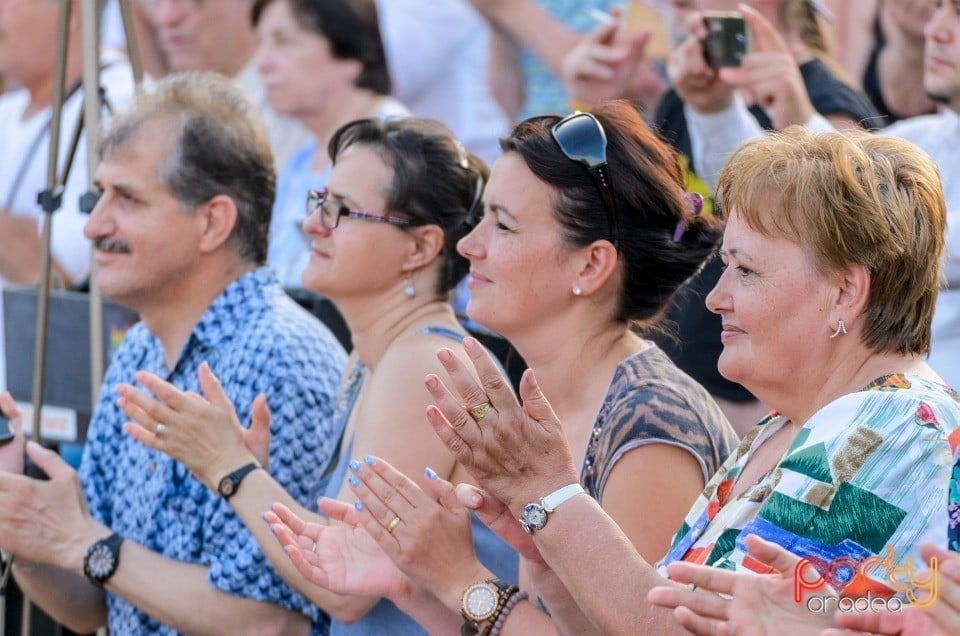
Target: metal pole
(89,30)
(49,199)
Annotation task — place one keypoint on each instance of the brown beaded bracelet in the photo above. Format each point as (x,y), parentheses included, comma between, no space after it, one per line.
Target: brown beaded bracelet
(515,598)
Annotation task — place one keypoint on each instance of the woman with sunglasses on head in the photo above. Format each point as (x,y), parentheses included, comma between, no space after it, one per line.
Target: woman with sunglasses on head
(586,235)
(383,248)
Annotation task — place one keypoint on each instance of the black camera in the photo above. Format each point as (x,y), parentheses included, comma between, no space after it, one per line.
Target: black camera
(727,41)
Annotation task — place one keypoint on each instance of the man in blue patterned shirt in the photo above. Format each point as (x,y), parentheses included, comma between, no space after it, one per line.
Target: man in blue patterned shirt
(180,231)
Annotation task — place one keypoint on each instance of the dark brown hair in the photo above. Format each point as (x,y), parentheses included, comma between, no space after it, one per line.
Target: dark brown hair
(649,200)
(435,181)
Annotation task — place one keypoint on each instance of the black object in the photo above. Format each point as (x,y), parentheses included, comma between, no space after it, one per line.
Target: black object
(228,485)
(726,42)
(102,558)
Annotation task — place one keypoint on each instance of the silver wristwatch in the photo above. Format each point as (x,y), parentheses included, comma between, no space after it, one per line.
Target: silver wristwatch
(535,514)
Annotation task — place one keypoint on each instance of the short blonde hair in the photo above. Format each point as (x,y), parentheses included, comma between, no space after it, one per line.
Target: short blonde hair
(872,200)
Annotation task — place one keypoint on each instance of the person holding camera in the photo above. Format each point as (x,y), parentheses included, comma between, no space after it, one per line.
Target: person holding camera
(699,93)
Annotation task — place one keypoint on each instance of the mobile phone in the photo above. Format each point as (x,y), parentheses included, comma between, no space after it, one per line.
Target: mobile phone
(727,40)
(6,433)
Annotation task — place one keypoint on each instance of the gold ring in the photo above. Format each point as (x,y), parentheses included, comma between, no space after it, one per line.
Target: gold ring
(479,411)
(393,525)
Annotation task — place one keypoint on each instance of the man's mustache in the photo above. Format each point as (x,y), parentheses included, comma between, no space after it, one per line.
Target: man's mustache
(111,245)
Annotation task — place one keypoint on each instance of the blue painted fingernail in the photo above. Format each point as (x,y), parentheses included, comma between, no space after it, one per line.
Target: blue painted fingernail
(358,505)
(370,460)
(431,473)
(354,465)
(353,480)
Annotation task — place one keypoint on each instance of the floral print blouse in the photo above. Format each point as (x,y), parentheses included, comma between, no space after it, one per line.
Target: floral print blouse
(868,472)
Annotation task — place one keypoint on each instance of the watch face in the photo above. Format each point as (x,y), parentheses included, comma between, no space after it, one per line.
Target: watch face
(534,517)
(480,602)
(226,487)
(100,563)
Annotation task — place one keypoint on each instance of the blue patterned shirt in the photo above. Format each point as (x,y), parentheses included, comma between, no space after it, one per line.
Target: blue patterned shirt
(256,340)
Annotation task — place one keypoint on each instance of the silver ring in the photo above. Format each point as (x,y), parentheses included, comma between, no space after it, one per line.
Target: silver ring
(161,427)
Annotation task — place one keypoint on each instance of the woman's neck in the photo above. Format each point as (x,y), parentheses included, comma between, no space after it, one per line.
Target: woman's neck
(853,372)
(575,372)
(373,331)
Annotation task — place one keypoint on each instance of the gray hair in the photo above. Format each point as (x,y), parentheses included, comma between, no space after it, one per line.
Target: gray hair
(221,149)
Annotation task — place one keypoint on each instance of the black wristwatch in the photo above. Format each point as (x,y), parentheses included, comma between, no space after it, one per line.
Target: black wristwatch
(228,485)
(101,559)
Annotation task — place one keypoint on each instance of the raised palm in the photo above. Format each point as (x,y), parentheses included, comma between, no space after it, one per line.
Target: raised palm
(340,557)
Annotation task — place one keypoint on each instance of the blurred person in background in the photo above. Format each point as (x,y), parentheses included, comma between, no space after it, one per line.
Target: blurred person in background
(323,64)
(28,42)
(937,134)
(216,35)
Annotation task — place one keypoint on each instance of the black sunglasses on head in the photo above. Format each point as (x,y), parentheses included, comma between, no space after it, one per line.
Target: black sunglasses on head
(581,138)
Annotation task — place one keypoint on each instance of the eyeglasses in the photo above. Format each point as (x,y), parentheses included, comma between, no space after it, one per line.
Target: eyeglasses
(581,138)
(330,211)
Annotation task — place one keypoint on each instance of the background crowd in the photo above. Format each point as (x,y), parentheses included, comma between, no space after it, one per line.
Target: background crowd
(348,226)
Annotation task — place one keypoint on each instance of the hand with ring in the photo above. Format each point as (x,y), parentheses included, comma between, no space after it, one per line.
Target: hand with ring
(479,411)
(202,432)
(429,539)
(518,453)
(341,557)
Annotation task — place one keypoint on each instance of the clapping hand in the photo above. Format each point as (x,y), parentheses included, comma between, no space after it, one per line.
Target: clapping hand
(201,432)
(517,453)
(723,602)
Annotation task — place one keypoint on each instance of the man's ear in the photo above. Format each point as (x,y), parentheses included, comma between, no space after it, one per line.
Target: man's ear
(216,219)
(598,265)
(427,243)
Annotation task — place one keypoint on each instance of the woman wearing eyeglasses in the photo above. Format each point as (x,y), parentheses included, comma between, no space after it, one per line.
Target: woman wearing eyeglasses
(324,64)
(383,249)
(586,235)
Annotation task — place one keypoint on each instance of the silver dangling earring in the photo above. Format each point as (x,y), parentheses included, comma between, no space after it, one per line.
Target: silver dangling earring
(841,328)
(409,290)
(576,290)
